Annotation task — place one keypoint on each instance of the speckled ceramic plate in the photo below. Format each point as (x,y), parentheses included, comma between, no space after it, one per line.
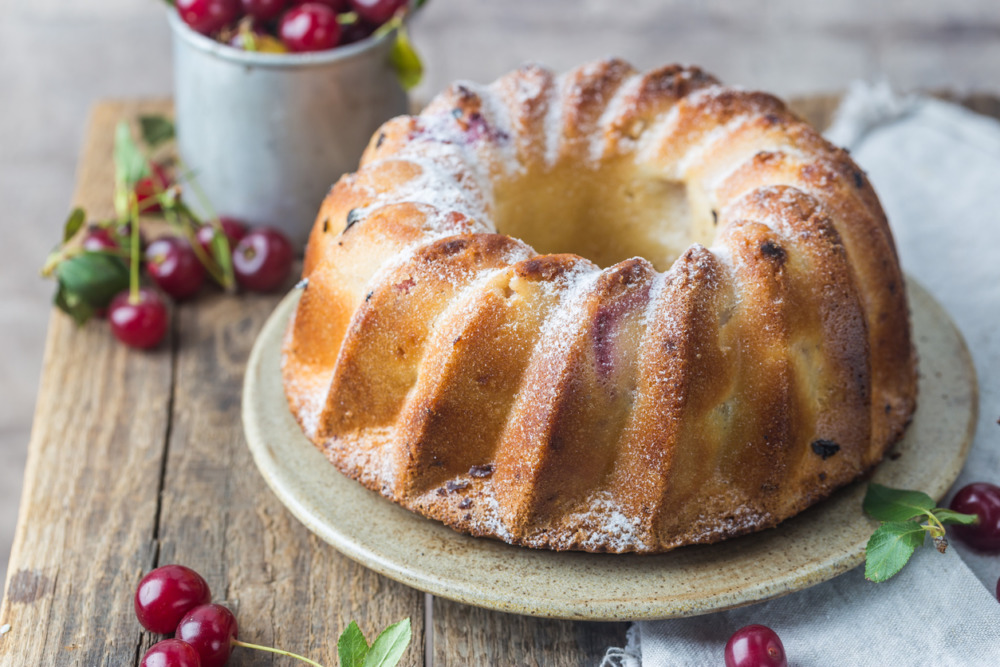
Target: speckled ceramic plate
(818,544)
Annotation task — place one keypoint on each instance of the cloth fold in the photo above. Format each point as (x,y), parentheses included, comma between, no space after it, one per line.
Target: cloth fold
(936,168)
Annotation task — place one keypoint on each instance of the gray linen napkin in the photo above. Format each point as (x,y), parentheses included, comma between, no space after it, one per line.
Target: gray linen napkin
(936,168)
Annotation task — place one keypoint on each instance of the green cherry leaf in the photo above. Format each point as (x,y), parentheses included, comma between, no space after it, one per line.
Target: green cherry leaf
(950,516)
(388,647)
(890,547)
(73,223)
(223,254)
(93,278)
(406,62)
(352,647)
(156,130)
(72,305)
(887,504)
(130,164)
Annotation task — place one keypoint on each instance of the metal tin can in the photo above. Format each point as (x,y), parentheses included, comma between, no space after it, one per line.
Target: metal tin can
(267,134)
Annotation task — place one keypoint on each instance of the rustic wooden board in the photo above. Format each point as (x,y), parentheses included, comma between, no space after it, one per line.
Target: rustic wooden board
(138,459)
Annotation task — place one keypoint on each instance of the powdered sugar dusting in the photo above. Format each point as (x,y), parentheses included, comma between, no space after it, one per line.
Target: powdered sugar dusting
(553,123)
(491,517)
(463,147)
(602,525)
(616,108)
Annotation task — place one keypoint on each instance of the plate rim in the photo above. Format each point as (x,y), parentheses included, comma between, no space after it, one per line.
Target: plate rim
(268,342)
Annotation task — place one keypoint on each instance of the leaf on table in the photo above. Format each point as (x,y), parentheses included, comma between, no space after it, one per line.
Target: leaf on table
(222,254)
(352,647)
(950,516)
(388,647)
(72,305)
(890,547)
(405,60)
(93,278)
(73,223)
(131,165)
(156,130)
(887,504)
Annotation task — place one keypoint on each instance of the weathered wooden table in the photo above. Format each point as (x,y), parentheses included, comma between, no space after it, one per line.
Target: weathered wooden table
(138,459)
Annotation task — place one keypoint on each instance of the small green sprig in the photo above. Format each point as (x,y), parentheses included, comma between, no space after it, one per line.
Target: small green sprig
(907,517)
(89,279)
(353,649)
(387,649)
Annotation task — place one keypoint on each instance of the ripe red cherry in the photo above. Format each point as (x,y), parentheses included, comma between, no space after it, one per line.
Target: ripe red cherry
(983,500)
(336,5)
(755,646)
(310,27)
(355,32)
(210,629)
(171,653)
(98,239)
(142,324)
(150,186)
(124,232)
(166,594)
(263,10)
(231,227)
(207,16)
(173,266)
(376,11)
(262,261)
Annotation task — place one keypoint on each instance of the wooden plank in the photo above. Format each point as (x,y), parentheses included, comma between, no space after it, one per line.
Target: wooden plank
(466,635)
(292,590)
(79,548)
(88,508)
(112,428)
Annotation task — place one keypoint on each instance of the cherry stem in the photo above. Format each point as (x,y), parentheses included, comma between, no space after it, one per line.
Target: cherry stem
(133,277)
(228,277)
(237,642)
(936,528)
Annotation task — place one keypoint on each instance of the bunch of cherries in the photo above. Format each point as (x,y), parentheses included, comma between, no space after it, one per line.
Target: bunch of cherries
(759,645)
(280,26)
(174,599)
(262,260)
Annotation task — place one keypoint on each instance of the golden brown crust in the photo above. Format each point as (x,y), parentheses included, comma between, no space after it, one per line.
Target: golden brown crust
(545,401)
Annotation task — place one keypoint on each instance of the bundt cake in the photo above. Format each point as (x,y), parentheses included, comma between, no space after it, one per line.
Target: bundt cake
(606,311)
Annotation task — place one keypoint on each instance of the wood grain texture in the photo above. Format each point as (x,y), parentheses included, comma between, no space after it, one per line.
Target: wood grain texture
(219,517)
(113,429)
(465,635)
(86,525)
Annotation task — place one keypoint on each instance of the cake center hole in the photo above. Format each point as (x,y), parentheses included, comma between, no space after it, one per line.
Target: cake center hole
(606,212)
